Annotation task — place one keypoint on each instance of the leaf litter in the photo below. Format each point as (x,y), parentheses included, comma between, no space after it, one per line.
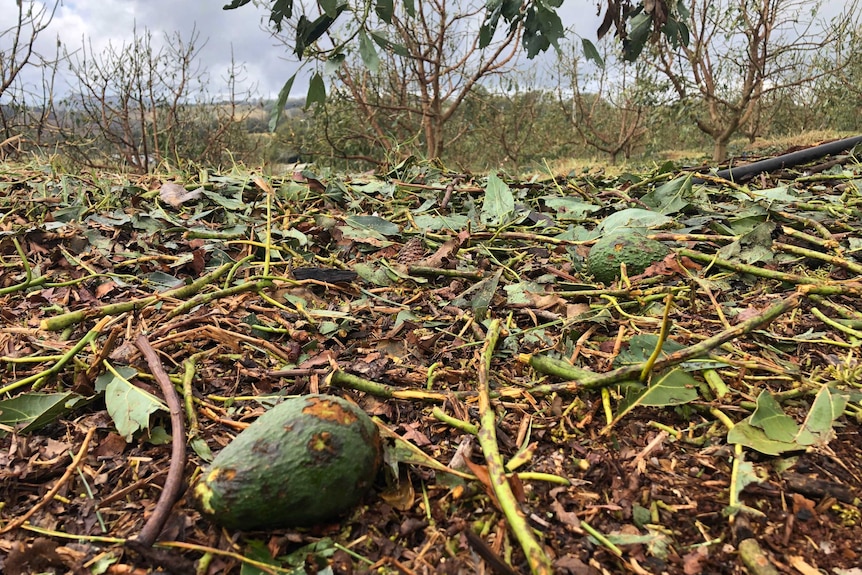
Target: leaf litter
(703,416)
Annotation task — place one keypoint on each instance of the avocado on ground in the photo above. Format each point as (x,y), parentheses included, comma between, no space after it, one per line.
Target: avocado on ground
(308,460)
(632,248)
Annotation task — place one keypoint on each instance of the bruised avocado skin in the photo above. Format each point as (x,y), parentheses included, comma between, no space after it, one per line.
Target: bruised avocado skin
(307,460)
(634,249)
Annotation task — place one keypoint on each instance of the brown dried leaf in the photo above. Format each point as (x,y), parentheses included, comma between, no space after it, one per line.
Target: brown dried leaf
(176,195)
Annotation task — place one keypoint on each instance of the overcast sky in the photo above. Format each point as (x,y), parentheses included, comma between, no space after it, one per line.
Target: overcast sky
(220,31)
(266,62)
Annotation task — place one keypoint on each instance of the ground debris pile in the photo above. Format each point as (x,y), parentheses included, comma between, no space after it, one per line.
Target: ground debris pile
(701,416)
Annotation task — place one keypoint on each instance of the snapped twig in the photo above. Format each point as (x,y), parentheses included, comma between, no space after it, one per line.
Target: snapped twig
(174,481)
(62,321)
(538,560)
(583,379)
(36,378)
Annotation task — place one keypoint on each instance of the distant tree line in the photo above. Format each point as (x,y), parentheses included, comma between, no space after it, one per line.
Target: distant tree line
(421,82)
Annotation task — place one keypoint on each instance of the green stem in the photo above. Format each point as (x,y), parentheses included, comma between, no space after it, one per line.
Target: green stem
(590,380)
(458,424)
(61,322)
(55,369)
(540,563)
(746,268)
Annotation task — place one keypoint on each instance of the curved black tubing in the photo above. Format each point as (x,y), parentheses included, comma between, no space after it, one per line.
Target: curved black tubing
(785,161)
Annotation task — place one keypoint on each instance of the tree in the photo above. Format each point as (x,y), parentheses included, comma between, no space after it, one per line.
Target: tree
(739,52)
(420,77)
(17,52)
(538,21)
(608,106)
(839,96)
(512,124)
(139,104)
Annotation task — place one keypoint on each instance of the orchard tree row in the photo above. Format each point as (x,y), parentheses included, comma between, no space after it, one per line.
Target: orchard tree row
(474,84)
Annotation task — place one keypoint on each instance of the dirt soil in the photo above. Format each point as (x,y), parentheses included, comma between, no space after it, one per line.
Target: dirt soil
(611,472)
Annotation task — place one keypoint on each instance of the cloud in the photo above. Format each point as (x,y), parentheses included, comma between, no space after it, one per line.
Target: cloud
(99,23)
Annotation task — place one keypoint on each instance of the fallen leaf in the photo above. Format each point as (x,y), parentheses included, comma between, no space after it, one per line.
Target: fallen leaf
(692,562)
(176,195)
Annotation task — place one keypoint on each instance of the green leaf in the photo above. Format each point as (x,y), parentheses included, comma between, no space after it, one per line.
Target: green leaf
(409,8)
(499,203)
(387,44)
(128,405)
(753,246)
(676,33)
(235,4)
(542,29)
(103,380)
(769,417)
(523,293)
(777,198)
(373,274)
(280,103)
(295,237)
(828,406)
(31,411)
(365,230)
(163,281)
(641,26)
(333,63)
(330,7)
(368,53)
(479,296)
(816,429)
(199,445)
(309,31)
(569,208)
(399,171)
(314,553)
(232,204)
(591,53)
(755,438)
(158,436)
(640,349)
(683,34)
(493,11)
(745,476)
(384,10)
(399,450)
(377,188)
(316,91)
(670,197)
(676,387)
(375,223)
(281,10)
(633,218)
(434,223)
(258,551)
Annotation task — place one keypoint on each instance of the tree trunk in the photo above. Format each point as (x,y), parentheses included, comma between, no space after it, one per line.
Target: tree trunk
(719,150)
(433,137)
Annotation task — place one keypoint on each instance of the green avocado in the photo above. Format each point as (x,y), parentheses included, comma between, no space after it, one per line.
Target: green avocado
(306,461)
(623,246)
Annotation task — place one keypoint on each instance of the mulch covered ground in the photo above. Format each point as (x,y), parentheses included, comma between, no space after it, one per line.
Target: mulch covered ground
(627,467)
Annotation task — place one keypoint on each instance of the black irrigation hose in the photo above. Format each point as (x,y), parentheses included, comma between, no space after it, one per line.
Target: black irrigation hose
(785,161)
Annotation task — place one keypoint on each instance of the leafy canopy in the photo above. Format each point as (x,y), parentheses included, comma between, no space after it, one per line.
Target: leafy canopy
(634,24)
(542,26)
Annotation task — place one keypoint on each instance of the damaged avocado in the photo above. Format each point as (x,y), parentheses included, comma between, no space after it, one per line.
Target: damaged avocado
(632,248)
(307,460)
